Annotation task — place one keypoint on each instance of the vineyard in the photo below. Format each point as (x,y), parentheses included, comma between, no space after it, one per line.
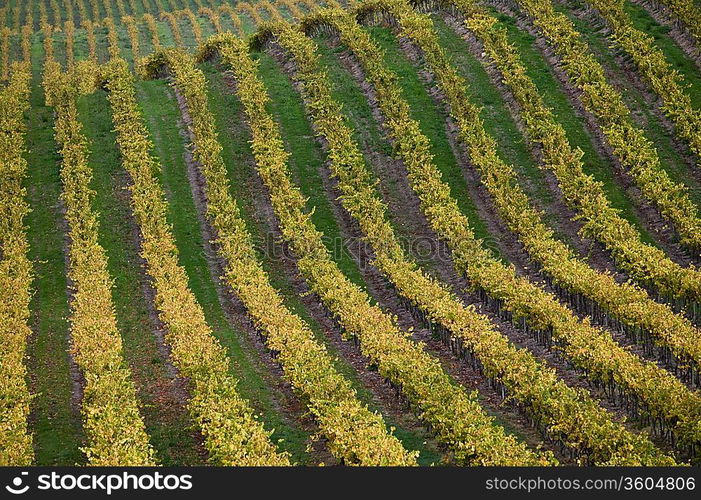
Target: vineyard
(354,232)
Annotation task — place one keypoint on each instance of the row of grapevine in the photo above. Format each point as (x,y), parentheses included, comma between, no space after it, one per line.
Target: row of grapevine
(5,52)
(566,415)
(83,15)
(10,17)
(29,19)
(455,416)
(667,82)
(232,434)
(356,435)
(272,12)
(251,11)
(642,262)
(17,15)
(313,5)
(309,5)
(5,12)
(92,42)
(43,16)
(132,6)
(47,30)
(69,31)
(293,6)
(109,10)
(112,38)
(174,28)
(228,10)
(133,32)
(55,10)
(114,428)
(625,302)
(652,390)
(635,152)
(68,7)
(194,23)
(26,43)
(292,9)
(153,29)
(24,34)
(95,9)
(121,8)
(15,272)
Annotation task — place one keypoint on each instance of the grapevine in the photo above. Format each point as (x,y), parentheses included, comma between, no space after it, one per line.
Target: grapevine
(566,414)
(357,436)
(115,430)
(591,349)
(627,303)
(232,434)
(15,272)
(667,82)
(456,416)
(634,151)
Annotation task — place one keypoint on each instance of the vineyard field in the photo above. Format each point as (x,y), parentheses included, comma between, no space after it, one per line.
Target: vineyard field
(350,232)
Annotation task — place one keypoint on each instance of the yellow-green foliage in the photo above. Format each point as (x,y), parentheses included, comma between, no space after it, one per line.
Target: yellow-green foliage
(232,434)
(567,414)
(591,349)
(196,29)
(15,273)
(133,32)
(455,415)
(153,29)
(666,81)
(356,435)
(213,18)
(628,142)
(170,18)
(114,428)
(628,304)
